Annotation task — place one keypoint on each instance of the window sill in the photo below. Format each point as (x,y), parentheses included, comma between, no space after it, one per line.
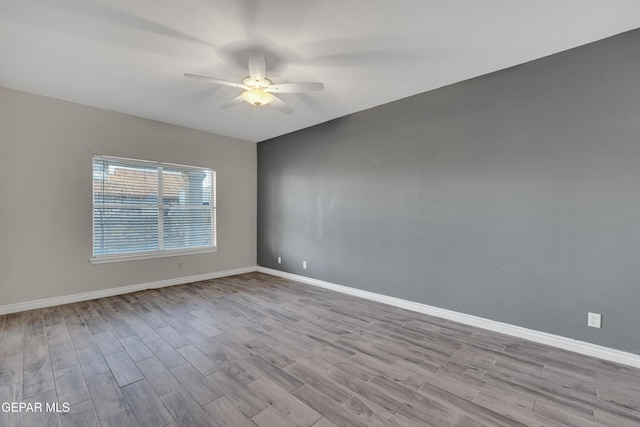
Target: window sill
(151,255)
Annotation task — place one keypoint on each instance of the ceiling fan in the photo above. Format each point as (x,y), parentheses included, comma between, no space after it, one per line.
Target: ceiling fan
(258,89)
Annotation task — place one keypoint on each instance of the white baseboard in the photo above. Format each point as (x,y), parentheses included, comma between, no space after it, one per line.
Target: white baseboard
(569,344)
(84,296)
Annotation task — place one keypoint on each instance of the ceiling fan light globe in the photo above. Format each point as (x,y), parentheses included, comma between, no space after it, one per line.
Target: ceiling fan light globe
(257,97)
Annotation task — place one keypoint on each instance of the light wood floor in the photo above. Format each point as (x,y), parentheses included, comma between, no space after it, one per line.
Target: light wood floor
(259,350)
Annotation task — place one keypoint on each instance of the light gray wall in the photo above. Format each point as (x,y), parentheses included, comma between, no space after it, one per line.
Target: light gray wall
(45,196)
(514,196)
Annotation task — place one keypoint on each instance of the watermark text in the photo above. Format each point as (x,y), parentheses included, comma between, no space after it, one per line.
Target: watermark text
(26,407)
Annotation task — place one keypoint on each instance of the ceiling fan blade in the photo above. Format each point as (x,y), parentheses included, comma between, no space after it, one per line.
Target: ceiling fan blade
(235,101)
(279,105)
(295,87)
(257,67)
(216,81)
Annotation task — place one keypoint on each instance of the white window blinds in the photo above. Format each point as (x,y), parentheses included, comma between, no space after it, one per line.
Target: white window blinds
(150,208)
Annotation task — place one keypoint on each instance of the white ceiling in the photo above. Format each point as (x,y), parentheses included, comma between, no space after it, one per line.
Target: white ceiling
(130,55)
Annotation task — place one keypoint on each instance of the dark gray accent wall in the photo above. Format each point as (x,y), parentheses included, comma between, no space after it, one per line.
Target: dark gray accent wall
(514,196)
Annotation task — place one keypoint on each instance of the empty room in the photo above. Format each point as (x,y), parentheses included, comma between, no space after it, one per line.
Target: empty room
(270,213)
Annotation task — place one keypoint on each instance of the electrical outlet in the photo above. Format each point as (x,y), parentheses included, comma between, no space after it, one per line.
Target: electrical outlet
(279,260)
(594,320)
(304,264)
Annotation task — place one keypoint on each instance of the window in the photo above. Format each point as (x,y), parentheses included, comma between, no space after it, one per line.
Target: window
(145,209)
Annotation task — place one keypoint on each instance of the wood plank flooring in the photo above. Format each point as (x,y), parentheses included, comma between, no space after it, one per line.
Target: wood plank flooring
(257,350)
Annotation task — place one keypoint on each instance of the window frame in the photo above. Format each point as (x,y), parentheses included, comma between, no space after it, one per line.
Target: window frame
(160,253)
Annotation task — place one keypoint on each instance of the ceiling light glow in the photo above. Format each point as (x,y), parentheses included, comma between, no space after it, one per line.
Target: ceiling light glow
(257,97)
